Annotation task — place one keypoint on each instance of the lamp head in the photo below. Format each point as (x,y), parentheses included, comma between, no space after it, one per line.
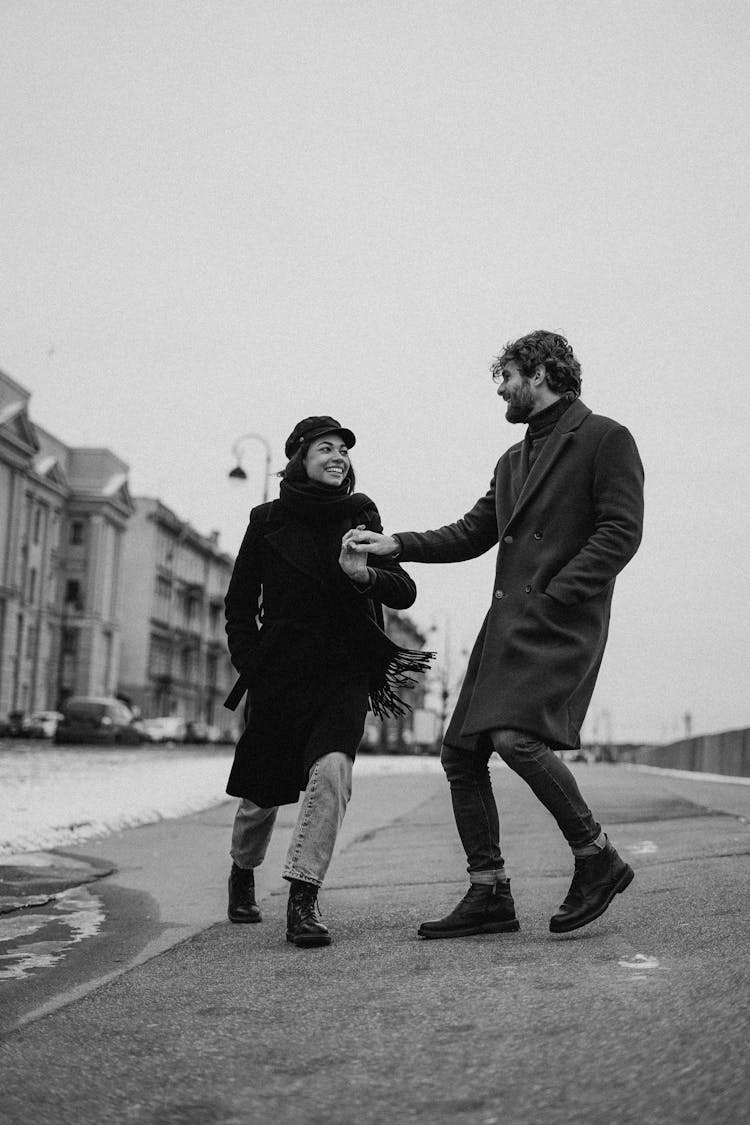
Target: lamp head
(237,473)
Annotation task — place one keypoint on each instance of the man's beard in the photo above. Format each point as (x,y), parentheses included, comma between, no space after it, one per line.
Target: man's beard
(520,405)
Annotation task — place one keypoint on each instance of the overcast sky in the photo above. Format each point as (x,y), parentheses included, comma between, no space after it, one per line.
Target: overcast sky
(220,217)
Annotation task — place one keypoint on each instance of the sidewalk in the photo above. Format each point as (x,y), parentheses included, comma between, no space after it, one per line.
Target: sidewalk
(169,883)
(640,1017)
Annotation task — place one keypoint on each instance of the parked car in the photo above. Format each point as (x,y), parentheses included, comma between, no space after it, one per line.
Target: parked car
(579,755)
(165,728)
(42,724)
(15,725)
(98,719)
(197,731)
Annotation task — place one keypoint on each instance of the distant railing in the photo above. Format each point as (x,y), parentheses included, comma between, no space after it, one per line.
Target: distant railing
(725,753)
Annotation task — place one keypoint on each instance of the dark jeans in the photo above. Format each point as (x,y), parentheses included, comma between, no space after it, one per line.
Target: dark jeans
(474,803)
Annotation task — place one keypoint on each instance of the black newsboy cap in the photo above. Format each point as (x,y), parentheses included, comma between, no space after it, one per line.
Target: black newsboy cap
(310,428)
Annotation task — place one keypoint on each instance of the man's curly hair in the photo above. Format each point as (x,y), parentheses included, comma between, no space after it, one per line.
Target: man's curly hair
(551,349)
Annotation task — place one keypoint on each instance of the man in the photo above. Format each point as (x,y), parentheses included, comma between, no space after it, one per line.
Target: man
(565,506)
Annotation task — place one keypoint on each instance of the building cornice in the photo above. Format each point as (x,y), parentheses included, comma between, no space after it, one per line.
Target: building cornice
(51,484)
(164,517)
(80,504)
(17,430)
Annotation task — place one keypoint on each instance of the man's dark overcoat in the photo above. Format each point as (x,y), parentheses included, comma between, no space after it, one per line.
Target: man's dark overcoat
(565,530)
(307,693)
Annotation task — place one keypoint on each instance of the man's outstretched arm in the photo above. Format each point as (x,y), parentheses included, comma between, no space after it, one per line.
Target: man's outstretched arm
(371,543)
(468,537)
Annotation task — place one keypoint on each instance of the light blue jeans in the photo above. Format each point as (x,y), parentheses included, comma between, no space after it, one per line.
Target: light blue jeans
(329,787)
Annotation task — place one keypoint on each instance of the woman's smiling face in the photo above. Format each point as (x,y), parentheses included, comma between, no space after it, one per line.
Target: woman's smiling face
(327,460)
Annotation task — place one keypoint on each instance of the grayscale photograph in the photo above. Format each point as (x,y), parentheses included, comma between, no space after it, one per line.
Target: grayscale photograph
(374,616)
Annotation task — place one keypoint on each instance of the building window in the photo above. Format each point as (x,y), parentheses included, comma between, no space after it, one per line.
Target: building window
(32,584)
(37,524)
(163,588)
(69,642)
(77,532)
(163,596)
(186,662)
(73,593)
(158,660)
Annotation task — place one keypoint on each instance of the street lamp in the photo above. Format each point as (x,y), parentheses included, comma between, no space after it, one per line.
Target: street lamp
(238,473)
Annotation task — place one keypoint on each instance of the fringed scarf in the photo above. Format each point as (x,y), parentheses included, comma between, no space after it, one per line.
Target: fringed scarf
(391,669)
(398,667)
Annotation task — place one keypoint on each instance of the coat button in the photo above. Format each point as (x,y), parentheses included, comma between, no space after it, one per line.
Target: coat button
(507,539)
(499,594)
(537,535)
(527,589)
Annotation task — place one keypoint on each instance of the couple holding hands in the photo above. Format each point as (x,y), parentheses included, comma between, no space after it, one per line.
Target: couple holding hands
(304,623)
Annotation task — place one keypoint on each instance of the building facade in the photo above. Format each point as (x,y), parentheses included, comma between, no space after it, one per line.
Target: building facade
(63,514)
(174,658)
(399,734)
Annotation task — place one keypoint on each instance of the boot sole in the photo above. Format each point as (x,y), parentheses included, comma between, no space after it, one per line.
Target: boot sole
(234,918)
(622,884)
(510,927)
(309,941)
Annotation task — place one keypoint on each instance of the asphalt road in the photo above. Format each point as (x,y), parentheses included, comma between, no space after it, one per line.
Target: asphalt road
(641,1017)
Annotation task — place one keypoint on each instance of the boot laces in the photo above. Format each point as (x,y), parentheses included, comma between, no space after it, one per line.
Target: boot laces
(478,892)
(306,901)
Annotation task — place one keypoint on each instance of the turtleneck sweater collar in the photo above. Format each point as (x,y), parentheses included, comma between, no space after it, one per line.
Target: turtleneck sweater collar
(541,426)
(545,420)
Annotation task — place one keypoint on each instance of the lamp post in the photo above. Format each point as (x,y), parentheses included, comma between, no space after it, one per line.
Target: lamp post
(238,473)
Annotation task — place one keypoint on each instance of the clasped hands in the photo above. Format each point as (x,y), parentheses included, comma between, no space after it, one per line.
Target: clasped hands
(355,547)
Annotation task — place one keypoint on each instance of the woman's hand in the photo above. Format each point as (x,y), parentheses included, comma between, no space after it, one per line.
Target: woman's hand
(353,564)
(370,541)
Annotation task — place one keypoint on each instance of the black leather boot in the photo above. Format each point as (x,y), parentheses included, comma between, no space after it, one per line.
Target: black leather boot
(484,909)
(242,905)
(596,881)
(304,926)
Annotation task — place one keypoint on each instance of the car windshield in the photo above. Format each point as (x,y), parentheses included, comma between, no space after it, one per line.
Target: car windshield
(85,709)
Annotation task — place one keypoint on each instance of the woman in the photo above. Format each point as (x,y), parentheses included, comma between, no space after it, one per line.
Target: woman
(304,624)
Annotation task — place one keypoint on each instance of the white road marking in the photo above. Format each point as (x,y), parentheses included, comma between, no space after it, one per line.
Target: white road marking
(646,847)
(640,961)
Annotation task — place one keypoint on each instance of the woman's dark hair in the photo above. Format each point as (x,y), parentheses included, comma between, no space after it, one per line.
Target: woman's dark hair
(551,349)
(294,471)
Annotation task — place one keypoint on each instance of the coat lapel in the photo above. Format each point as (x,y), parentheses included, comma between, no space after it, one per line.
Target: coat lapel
(553,448)
(295,544)
(515,465)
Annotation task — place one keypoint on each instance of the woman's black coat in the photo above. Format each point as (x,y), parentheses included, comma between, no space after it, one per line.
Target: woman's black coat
(307,693)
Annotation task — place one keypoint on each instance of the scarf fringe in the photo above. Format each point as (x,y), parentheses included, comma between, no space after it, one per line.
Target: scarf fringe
(403,666)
